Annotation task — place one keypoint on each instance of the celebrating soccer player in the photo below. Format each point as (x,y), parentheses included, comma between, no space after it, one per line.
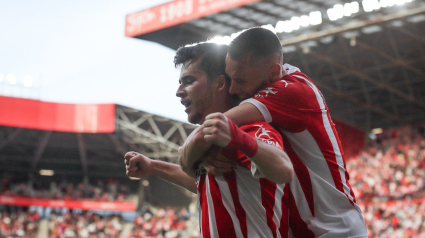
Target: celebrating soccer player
(246,199)
(322,203)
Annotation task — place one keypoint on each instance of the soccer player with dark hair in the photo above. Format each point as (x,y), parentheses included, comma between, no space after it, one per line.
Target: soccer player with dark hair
(322,203)
(248,200)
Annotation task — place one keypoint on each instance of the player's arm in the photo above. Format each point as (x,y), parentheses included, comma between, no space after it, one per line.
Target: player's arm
(196,150)
(195,146)
(239,114)
(272,162)
(192,151)
(138,165)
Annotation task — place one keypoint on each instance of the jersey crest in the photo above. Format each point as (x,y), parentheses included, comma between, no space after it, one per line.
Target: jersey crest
(263,135)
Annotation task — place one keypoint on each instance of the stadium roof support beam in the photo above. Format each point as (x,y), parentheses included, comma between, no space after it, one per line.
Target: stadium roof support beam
(351,26)
(369,79)
(83,154)
(40,150)
(395,61)
(11,136)
(221,22)
(117,143)
(153,136)
(358,102)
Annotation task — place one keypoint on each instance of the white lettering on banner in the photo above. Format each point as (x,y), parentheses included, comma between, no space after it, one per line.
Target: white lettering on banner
(175,10)
(53,203)
(89,204)
(107,205)
(5,200)
(137,20)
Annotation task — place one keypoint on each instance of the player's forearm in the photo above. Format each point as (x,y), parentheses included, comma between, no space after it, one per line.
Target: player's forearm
(273,163)
(192,152)
(173,173)
(244,114)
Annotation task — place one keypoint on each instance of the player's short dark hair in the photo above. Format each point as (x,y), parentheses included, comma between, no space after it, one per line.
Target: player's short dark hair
(212,58)
(258,41)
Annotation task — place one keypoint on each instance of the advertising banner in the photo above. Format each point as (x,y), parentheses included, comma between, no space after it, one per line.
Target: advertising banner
(71,204)
(174,13)
(35,114)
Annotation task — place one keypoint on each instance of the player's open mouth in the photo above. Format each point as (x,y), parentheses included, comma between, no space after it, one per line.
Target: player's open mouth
(186,104)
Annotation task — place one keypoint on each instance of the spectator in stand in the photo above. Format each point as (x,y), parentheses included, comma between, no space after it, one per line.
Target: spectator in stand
(165,223)
(399,155)
(112,190)
(84,225)
(18,224)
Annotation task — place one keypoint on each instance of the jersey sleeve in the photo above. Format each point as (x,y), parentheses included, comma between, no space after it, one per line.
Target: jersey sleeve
(264,132)
(284,103)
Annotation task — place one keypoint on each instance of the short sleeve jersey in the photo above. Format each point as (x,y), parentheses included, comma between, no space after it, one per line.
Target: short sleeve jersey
(324,199)
(242,203)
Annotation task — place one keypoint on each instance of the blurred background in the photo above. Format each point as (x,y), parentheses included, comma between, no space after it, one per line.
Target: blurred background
(83,82)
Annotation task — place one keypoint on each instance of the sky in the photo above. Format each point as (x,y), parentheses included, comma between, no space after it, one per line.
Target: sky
(76,52)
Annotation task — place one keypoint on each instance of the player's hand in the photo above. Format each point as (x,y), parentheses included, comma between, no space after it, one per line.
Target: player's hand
(137,165)
(217,164)
(216,129)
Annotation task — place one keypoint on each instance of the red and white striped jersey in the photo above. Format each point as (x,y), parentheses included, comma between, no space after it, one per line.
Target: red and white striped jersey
(242,203)
(322,202)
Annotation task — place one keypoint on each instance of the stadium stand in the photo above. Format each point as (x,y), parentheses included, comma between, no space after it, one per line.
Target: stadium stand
(18,222)
(388,180)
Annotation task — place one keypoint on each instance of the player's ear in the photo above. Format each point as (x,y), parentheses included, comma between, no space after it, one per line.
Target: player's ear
(275,72)
(221,83)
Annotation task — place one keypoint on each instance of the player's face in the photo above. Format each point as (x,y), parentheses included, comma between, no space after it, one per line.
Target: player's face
(194,93)
(246,79)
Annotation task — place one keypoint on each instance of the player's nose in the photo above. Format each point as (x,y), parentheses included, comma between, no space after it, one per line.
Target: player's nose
(234,89)
(180,92)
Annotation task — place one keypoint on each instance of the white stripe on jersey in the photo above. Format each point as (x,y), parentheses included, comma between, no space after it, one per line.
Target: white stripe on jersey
(199,213)
(290,69)
(211,212)
(278,207)
(331,136)
(334,214)
(228,203)
(260,106)
(249,190)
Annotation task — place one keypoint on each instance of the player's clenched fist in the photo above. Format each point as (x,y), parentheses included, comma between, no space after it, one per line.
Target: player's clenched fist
(137,165)
(216,129)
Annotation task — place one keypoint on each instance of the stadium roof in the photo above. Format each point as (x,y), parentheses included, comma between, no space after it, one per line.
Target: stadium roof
(82,146)
(367,57)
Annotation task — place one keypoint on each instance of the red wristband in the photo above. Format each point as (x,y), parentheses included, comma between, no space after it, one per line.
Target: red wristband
(241,140)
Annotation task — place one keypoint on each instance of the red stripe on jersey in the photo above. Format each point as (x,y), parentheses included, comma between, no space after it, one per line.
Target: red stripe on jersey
(284,221)
(297,224)
(204,207)
(240,212)
(302,174)
(347,176)
(327,150)
(317,130)
(223,220)
(268,191)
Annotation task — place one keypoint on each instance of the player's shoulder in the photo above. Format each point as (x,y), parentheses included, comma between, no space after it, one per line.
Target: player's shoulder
(255,125)
(263,131)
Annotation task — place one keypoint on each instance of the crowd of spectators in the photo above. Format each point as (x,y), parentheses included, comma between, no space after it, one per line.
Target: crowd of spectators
(388,179)
(391,167)
(164,223)
(98,190)
(84,225)
(400,218)
(18,222)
